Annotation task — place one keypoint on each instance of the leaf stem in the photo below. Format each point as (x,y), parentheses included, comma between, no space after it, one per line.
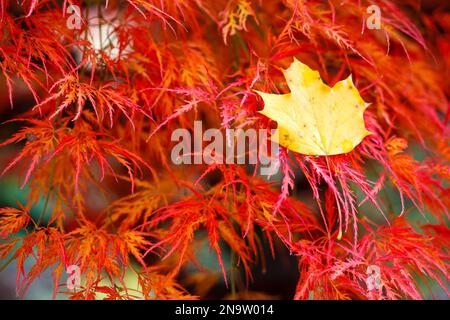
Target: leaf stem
(7,263)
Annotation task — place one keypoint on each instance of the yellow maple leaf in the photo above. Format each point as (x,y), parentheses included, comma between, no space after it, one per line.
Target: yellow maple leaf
(315,119)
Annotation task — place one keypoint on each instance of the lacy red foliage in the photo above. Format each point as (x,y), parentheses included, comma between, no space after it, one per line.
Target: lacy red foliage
(105,105)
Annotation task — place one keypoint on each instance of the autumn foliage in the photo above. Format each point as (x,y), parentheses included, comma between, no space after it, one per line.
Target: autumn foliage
(91,141)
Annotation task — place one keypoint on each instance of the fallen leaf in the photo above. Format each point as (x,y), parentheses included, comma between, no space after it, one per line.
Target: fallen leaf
(315,119)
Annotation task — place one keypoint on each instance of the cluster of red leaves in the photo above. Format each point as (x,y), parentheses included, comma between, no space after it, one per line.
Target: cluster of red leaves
(107,110)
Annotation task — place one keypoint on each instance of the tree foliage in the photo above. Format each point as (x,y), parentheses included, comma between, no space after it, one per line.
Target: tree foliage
(95,144)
